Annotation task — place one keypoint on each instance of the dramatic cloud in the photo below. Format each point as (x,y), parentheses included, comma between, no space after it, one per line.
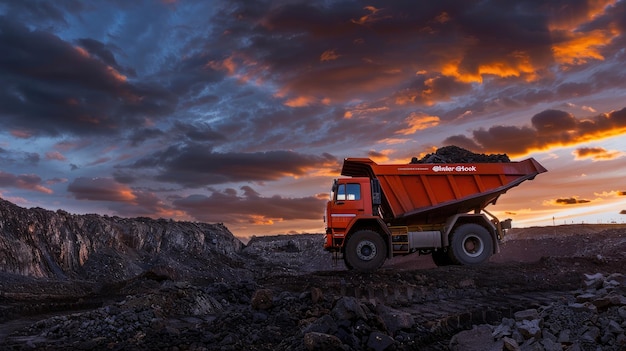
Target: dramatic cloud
(146,204)
(51,87)
(550,128)
(418,122)
(100,189)
(10,156)
(128,105)
(249,207)
(596,153)
(192,165)
(570,201)
(23,181)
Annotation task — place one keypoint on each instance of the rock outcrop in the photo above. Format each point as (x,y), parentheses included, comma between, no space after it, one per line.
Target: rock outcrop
(45,244)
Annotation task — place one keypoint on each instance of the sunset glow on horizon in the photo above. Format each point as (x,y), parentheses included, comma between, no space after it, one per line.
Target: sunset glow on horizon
(241,112)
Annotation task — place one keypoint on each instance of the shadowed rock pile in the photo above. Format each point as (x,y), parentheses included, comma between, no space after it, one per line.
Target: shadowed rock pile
(58,245)
(455,154)
(593,319)
(287,253)
(247,316)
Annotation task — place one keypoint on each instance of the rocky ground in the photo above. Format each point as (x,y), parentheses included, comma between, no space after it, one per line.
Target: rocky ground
(550,288)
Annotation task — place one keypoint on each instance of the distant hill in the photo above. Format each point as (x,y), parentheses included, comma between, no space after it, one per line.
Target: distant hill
(45,244)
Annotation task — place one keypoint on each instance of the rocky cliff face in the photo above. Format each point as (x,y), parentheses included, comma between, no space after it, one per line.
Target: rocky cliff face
(45,244)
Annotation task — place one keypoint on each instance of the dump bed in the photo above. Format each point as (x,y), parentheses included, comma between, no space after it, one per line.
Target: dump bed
(425,192)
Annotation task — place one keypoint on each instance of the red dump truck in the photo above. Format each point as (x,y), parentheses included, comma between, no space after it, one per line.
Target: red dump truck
(381,211)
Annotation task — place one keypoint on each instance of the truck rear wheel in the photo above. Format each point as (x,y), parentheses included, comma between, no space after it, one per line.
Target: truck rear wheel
(470,244)
(365,251)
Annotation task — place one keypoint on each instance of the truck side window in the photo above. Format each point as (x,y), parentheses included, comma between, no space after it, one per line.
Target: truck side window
(348,192)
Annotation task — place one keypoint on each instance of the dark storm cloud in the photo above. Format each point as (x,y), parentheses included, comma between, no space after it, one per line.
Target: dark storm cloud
(570,201)
(9,156)
(140,135)
(99,189)
(50,87)
(23,181)
(195,165)
(574,89)
(375,154)
(428,90)
(535,96)
(121,199)
(144,203)
(351,48)
(198,132)
(249,206)
(104,53)
(41,11)
(548,128)
(348,49)
(550,122)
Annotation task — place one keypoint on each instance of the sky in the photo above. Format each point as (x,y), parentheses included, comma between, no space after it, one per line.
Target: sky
(241,112)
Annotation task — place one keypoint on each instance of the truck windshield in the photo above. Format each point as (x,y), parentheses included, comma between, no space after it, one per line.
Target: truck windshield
(350,191)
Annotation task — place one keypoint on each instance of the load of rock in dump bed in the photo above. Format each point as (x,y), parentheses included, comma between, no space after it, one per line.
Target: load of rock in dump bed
(455,154)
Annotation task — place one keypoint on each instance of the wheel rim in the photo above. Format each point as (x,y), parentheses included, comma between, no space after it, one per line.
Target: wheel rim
(473,246)
(366,250)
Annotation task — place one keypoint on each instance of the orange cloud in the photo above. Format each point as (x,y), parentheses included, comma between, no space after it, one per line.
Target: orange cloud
(227,65)
(582,47)
(418,122)
(596,153)
(116,75)
(329,55)
(300,101)
(515,64)
(428,91)
(380,156)
(373,16)
(573,46)
(362,110)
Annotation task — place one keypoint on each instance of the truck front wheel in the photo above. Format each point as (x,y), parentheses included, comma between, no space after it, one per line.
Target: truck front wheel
(365,251)
(470,244)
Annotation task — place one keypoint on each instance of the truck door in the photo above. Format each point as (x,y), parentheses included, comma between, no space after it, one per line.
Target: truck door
(347,204)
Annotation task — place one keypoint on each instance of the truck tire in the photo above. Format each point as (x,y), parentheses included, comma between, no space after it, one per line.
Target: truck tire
(470,244)
(365,251)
